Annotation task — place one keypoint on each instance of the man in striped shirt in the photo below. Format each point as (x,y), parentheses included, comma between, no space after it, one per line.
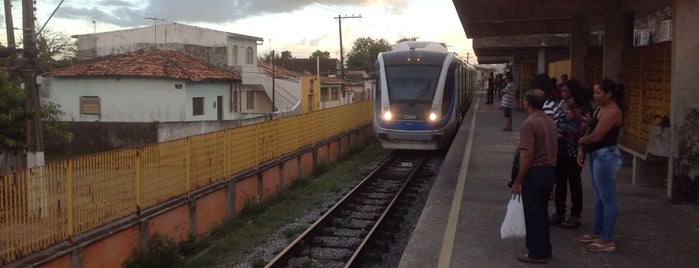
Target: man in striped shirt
(508,99)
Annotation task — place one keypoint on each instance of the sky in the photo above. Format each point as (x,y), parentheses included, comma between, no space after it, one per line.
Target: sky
(298,26)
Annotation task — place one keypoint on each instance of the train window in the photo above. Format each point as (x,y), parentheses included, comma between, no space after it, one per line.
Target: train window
(412,82)
(449,85)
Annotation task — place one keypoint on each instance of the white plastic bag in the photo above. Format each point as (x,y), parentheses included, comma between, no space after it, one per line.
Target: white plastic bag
(513,226)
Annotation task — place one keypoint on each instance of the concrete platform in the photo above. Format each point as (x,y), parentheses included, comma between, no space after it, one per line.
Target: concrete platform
(460,224)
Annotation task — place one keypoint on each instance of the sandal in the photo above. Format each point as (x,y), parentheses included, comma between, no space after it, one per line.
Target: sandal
(588,237)
(571,223)
(601,246)
(526,258)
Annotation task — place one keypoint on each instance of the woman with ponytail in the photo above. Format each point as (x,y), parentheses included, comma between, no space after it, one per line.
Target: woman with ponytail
(600,143)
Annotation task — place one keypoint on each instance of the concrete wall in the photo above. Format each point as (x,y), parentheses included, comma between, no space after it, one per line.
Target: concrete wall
(122,41)
(684,121)
(106,136)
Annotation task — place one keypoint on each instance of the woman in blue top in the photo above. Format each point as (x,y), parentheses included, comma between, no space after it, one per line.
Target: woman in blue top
(605,160)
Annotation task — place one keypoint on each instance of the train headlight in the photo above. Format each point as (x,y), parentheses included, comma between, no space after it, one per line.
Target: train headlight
(433,117)
(387,115)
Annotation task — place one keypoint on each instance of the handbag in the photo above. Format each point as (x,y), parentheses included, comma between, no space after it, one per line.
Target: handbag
(514,226)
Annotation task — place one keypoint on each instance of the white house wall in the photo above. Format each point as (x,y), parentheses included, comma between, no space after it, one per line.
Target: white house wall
(135,99)
(210,92)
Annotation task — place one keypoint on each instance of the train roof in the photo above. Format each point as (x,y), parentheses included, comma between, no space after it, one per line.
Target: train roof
(421,45)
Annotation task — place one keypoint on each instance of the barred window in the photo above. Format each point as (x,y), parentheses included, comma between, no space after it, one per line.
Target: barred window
(335,94)
(198,106)
(250,100)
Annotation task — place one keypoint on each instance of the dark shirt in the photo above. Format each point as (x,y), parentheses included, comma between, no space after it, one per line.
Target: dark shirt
(609,139)
(539,134)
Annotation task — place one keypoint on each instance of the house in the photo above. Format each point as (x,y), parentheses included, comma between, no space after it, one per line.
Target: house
(227,50)
(317,67)
(149,85)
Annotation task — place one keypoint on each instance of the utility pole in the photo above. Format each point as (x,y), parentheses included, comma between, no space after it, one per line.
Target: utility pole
(342,56)
(35,137)
(274,107)
(10,28)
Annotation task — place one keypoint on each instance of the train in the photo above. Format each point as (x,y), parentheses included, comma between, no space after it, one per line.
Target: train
(422,94)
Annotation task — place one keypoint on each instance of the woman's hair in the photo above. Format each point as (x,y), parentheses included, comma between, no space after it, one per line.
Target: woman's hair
(617,90)
(543,82)
(577,92)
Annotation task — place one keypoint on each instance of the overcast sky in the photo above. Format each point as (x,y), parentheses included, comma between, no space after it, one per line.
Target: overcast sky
(299,26)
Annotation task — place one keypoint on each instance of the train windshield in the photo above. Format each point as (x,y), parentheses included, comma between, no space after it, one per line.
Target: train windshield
(412,82)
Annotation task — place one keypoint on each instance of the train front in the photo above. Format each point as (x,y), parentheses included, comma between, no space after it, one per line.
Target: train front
(409,112)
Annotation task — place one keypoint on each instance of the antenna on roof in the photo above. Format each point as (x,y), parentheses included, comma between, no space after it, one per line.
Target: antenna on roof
(155,28)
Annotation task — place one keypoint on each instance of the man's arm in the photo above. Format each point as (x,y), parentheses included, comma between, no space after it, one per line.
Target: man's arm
(526,160)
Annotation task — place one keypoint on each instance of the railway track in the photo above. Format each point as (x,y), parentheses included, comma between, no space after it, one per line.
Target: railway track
(357,230)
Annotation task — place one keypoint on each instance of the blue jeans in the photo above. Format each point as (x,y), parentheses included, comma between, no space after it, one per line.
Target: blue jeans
(535,197)
(604,163)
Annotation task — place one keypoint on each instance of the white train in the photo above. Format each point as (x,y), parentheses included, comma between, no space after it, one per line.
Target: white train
(422,94)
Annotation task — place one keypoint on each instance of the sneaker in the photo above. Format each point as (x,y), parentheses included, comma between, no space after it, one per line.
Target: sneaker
(555,219)
(571,223)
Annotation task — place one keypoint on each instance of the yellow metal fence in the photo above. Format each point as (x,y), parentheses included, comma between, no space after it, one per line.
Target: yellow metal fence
(45,205)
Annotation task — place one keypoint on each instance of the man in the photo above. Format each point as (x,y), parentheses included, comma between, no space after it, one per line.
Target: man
(508,101)
(538,142)
(491,89)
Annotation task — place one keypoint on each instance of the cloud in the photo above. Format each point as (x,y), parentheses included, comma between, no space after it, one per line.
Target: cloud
(129,13)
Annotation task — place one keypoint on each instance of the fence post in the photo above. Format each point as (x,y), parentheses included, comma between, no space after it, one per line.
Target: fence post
(138,180)
(69,199)
(188,187)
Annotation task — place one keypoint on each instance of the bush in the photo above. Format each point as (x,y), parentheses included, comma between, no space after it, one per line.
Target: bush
(161,251)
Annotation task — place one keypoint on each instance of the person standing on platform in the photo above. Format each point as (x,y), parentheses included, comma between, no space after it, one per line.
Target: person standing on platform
(508,100)
(543,82)
(572,117)
(536,175)
(491,89)
(605,159)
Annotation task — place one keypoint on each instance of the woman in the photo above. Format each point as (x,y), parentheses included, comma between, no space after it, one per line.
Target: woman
(605,160)
(571,117)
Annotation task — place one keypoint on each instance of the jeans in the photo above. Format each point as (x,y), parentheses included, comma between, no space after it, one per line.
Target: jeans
(604,163)
(568,175)
(535,196)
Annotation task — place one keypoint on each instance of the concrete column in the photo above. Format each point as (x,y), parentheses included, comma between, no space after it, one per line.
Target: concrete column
(684,119)
(578,51)
(618,35)
(541,61)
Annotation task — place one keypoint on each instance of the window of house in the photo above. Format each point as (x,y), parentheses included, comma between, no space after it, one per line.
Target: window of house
(90,105)
(250,100)
(248,56)
(198,106)
(324,94)
(235,55)
(335,94)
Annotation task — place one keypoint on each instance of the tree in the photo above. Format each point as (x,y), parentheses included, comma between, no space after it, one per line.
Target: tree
(15,115)
(323,55)
(364,53)
(55,51)
(403,39)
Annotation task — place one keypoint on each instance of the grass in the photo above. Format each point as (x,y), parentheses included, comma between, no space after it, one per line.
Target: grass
(235,238)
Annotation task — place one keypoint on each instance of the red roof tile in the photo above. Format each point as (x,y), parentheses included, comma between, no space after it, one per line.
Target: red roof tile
(150,62)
